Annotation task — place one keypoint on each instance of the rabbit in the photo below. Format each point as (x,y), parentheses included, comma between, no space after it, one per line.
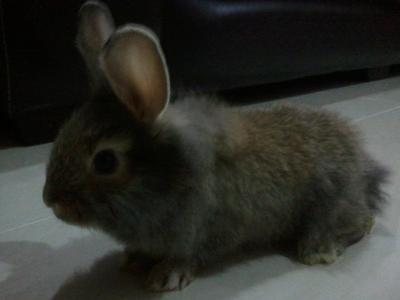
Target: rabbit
(182,185)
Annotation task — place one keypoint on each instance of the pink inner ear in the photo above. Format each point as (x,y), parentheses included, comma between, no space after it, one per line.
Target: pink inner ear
(132,104)
(134,64)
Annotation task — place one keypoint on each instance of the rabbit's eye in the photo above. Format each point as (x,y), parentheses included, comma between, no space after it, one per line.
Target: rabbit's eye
(105,162)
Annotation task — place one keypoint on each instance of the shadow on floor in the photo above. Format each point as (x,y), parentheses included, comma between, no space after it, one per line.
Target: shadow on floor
(37,271)
(90,268)
(105,280)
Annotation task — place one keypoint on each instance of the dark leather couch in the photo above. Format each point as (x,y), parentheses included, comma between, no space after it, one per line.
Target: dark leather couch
(209,44)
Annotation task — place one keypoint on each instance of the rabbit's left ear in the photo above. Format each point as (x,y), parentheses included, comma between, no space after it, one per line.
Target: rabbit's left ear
(95,27)
(135,67)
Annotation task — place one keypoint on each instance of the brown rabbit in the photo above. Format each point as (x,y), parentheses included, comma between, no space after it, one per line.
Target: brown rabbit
(184,184)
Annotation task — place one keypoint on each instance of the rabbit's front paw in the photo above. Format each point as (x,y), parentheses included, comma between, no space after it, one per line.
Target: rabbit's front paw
(165,277)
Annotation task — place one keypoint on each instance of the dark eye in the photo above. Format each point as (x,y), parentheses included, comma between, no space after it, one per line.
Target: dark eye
(105,162)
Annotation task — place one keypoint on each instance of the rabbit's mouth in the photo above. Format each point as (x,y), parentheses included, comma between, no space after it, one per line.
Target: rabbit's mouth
(65,208)
(69,215)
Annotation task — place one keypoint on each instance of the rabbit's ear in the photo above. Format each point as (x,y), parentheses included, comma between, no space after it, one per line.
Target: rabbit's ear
(94,29)
(135,66)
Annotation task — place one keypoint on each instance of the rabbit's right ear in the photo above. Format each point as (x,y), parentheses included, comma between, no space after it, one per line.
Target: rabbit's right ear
(94,29)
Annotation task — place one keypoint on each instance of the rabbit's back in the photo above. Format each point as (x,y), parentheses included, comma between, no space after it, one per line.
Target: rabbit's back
(298,141)
(286,160)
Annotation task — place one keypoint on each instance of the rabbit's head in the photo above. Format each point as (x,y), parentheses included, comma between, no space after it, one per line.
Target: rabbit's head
(114,157)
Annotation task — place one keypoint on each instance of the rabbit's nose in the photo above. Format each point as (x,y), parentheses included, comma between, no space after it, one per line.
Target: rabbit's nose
(48,200)
(46,195)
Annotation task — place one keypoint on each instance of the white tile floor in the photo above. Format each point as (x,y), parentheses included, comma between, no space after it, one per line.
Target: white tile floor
(41,258)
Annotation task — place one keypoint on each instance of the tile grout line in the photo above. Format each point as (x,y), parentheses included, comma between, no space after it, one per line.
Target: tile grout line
(26,224)
(376,114)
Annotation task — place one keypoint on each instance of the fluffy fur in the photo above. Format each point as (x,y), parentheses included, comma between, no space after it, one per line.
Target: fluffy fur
(205,179)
